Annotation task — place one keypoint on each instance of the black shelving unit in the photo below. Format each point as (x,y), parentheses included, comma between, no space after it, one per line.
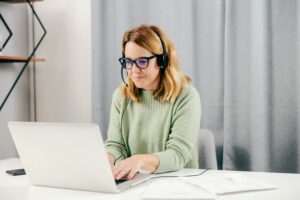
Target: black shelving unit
(25,60)
(8,30)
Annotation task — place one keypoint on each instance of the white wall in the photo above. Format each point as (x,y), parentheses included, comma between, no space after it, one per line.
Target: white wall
(63,82)
(17,105)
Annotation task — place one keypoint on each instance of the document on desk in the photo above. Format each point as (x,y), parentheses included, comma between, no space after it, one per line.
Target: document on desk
(174,188)
(187,172)
(227,183)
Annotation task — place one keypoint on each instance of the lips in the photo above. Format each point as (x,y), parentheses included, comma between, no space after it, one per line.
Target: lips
(138,77)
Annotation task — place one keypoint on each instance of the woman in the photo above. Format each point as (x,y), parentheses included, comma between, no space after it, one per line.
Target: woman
(155,117)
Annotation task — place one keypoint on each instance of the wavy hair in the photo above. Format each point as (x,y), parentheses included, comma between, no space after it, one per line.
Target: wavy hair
(172,78)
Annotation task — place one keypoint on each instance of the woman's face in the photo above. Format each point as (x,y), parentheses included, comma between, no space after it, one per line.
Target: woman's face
(148,78)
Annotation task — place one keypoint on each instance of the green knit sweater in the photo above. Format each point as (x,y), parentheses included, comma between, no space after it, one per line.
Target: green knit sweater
(167,130)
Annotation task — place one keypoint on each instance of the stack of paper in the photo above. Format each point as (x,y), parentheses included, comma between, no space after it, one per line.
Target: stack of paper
(227,183)
(174,188)
(206,186)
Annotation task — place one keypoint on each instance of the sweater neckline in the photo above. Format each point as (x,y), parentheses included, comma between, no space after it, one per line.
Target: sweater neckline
(147,95)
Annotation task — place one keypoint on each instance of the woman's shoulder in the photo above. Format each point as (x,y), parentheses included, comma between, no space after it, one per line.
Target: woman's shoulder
(188,96)
(117,96)
(189,92)
(188,100)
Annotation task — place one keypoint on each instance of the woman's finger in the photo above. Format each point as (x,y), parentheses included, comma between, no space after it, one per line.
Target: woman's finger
(132,173)
(122,173)
(117,168)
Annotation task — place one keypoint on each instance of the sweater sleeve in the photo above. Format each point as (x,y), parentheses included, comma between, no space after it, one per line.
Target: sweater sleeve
(114,143)
(183,134)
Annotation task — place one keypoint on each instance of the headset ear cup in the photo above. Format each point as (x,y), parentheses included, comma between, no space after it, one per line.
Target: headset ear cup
(162,60)
(165,60)
(159,60)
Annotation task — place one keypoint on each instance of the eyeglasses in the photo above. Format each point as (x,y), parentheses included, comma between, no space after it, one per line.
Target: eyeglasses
(141,62)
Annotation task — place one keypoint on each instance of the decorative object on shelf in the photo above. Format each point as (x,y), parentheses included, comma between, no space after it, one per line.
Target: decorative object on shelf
(9,31)
(31,56)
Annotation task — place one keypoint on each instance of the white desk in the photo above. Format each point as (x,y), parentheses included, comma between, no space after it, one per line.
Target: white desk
(19,188)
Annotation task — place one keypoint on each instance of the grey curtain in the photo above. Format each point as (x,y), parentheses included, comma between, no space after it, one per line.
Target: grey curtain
(243,57)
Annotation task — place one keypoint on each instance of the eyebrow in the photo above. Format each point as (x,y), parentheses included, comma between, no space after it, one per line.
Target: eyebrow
(138,57)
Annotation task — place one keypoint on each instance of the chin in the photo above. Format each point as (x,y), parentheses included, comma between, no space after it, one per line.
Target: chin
(139,85)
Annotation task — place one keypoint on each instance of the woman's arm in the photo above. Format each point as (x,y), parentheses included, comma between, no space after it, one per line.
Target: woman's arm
(182,140)
(114,143)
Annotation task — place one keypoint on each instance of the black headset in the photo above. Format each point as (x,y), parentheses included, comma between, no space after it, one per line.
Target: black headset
(162,59)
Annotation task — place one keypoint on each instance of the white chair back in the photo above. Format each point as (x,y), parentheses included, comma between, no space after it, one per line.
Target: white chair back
(207,150)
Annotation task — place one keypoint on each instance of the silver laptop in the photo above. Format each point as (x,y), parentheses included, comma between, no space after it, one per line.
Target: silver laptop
(66,155)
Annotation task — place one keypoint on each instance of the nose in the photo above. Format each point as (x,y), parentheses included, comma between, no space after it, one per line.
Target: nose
(135,67)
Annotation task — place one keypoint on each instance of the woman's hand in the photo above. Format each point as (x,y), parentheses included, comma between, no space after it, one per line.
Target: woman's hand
(129,167)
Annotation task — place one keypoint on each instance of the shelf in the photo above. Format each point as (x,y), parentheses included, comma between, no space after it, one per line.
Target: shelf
(17,1)
(19,59)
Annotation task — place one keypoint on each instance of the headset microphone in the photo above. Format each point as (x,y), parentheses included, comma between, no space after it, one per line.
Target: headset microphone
(122,68)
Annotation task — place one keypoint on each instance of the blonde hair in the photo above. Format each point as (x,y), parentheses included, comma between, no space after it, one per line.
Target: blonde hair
(172,78)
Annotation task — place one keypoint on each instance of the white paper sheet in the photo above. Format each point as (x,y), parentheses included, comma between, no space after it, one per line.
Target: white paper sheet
(227,183)
(174,188)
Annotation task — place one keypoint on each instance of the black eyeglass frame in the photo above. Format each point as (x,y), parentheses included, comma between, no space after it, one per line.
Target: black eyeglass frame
(122,61)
